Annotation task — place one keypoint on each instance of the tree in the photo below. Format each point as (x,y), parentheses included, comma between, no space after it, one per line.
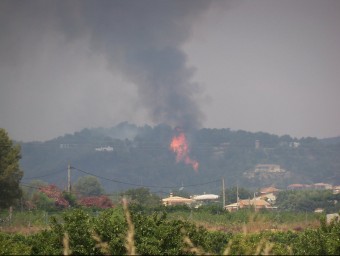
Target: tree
(43,202)
(231,194)
(30,190)
(70,198)
(89,186)
(142,196)
(10,173)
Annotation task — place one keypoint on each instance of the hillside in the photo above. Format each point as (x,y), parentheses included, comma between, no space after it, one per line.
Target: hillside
(127,156)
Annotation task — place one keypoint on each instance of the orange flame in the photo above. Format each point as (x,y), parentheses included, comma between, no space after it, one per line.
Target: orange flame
(179,145)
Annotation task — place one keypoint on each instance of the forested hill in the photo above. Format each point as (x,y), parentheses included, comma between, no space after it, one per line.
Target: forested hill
(127,156)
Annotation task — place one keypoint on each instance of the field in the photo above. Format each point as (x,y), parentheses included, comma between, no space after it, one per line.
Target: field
(167,231)
(249,221)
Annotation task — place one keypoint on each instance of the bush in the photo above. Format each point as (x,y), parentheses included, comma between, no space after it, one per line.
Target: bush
(45,243)
(111,228)
(322,241)
(13,245)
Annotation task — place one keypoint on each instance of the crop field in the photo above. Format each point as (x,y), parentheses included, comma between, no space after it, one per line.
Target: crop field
(126,230)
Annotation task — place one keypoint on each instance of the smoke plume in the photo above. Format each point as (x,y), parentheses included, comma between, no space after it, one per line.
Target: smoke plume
(140,39)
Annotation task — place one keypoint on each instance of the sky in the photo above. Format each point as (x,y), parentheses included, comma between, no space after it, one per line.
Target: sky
(256,65)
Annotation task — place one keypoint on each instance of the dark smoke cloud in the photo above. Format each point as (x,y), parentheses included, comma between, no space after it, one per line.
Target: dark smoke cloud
(140,39)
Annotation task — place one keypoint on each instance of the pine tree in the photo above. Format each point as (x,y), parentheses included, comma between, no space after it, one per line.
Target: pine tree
(10,173)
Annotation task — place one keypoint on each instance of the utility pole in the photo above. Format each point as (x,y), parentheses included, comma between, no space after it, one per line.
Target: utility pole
(69,178)
(237,195)
(254,201)
(223,191)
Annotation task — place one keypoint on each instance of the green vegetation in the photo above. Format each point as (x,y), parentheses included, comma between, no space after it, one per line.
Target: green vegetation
(141,156)
(231,194)
(89,186)
(49,221)
(10,173)
(308,200)
(142,197)
(79,231)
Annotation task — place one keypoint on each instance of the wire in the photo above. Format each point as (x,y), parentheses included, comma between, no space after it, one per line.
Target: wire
(28,186)
(106,194)
(41,176)
(138,185)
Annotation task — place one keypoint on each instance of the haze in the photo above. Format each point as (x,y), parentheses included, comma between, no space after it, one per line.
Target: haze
(269,66)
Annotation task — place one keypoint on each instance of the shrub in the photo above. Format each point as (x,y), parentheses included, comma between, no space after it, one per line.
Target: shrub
(111,228)
(45,243)
(322,241)
(13,245)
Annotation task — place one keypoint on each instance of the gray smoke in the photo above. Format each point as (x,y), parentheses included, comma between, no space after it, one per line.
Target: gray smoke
(140,39)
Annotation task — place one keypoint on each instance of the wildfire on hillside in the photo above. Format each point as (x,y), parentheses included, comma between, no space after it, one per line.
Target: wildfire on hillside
(179,145)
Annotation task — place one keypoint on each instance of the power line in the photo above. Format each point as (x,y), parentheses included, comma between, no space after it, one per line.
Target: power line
(106,194)
(28,186)
(41,176)
(138,185)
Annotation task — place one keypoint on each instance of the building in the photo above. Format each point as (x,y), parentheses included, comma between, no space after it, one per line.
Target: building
(322,186)
(294,144)
(256,203)
(176,200)
(102,149)
(268,168)
(232,207)
(336,190)
(332,217)
(319,210)
(205,197)
(266,171)
(268,190)
(269,194)
(298,187)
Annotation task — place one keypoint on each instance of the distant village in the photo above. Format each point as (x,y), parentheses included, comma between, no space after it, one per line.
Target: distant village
(265,200)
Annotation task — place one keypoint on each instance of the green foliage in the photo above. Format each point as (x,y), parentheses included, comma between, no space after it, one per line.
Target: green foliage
(70,198)
(322,241)
(79,225)
(10,173)
(89,186)
(46,242)
(28,191)
(308,200)
(142,196)
(43,202)
(243,244)
(212,209)
(282,242)
(111,227)
(146,159)
(231,194)
(177,208)
(156,234)
(13,245)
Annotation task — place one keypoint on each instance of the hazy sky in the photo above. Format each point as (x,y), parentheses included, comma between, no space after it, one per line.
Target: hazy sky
(256,65)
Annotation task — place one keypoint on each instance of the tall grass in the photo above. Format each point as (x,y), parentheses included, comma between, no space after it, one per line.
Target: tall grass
(130,243)
(253,221)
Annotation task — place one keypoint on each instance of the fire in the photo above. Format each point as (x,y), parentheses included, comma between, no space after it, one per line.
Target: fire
(180,146)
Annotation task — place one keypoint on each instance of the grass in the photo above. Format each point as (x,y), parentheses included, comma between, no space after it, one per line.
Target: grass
(130,244)
(250,221)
